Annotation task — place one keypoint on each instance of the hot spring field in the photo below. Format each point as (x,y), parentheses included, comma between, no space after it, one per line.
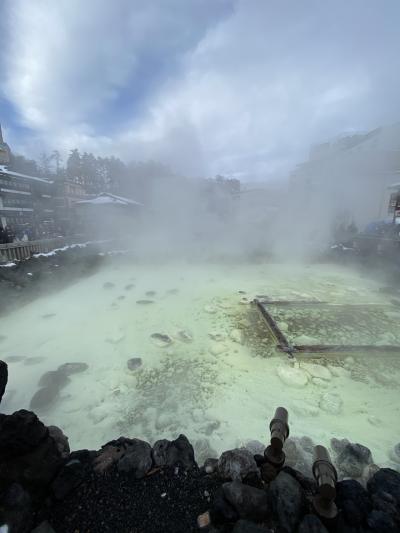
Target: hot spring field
(178,348)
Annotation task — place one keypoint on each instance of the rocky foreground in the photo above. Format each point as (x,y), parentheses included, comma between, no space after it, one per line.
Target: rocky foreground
(131,486)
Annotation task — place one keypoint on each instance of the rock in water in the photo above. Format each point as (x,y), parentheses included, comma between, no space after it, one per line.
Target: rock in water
(129,286)
(116,339)
(54,378)
(144,302)
(172,291)
(236,336)
(203,451)
(151,293)
(185,336)
(394,453)
(3,378)
(217,348)
(292,377)
(318,371)
(331,403)
(72,368)
(108,285)
(352,460)
(161,339)
(134,363)
(237,464)
(249,502)
(15,358)
(29,361)
(288,500)
(44,398)
(137,458)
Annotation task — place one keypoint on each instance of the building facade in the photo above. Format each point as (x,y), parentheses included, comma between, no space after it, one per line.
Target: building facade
(4,150)
(349,175)
(26,204)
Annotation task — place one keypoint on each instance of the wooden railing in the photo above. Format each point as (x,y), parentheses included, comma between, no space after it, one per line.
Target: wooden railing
(24,249)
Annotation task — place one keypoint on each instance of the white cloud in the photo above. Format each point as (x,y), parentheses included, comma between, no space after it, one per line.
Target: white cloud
(236,91)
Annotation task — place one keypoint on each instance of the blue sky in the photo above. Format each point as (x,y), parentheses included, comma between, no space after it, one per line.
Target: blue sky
(207,86)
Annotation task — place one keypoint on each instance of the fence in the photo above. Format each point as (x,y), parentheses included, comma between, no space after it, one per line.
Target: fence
(24,249)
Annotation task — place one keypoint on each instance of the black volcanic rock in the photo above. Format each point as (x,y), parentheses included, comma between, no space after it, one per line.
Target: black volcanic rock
(3,378)
(28,454)
(287,500)
(16,509)
(20,433)
(249,502)
(386,480)
(354,501)
(311,524)
(170,453)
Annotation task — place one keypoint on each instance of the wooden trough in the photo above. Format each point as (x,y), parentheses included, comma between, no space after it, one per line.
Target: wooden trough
(284,345)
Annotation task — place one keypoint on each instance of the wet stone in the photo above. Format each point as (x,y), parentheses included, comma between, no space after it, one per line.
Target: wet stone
(108,285)
(134,363)
(331,403)
(353,500)
(288,500)
(311,524)
(161,339)
(150,294)
(185,336)
(136,459)
(29,361)
(44,398)
(14,358)
(129,286)
(171,453)
(237,464)
(144,302)
(72,368)
(54,378)
(249,502)
(353,459)
(387,481)
(172,291)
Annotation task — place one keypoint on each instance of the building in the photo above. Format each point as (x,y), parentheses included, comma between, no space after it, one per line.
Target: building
(26,203)
(107,215)
(348,176)
(4,150)
(67,193)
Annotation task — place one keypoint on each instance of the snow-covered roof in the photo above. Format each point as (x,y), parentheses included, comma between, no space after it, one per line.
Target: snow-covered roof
(106,198)
(4,170)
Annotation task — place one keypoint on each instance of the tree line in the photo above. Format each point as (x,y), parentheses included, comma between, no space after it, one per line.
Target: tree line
(135,179)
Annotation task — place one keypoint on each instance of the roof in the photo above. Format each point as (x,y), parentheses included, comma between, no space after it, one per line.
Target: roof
(106,198)
(4,170)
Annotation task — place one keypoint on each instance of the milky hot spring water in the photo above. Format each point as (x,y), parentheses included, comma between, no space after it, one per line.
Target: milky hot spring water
(179,349)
